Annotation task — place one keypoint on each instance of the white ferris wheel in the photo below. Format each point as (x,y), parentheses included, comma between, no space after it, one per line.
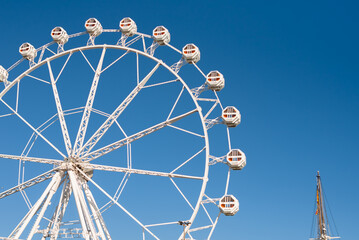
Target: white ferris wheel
(132,163)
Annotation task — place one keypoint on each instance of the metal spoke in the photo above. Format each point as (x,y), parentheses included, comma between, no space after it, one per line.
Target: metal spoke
(76,191)
(205,209)
(214,226)
(142,172)
(16,233)
(179,190)
(175,104)
(88,62)
(210,110)
(87,112)
(29,183)
(185,162)
(38,79)
(115,202)
(60,113)
(115,61)
(111,147)
(39,134)
(101,226)
(59,213)
(162,83)
(47,202)
(63,67)
(186,131)
(31,159)
(110,120)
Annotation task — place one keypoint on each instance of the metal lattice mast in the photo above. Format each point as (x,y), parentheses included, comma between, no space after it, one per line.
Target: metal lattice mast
(87,112)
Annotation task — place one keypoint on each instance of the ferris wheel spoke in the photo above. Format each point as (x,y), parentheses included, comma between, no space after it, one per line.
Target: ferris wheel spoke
(205,210)
(31,159)
(142,172)
(46,203)
(179,190)
(115,202)
(111,147)
(189,159)
(29,125)
(29,183)
(175,104)
(60,211)
(110,120)
(63,67)
(161,83)
(88,229)
(119,58)
(38,79)
(16,233)
(60,112)
(88,62)
(100,223)
(214,226)
(186,131)
(87,112)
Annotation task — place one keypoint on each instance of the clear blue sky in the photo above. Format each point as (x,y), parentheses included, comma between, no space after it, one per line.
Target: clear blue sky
(291,68)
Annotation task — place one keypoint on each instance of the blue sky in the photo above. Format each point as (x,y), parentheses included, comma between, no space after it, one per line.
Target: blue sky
(291,68)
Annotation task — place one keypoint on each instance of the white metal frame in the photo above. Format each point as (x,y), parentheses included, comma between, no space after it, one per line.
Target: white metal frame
(69,172)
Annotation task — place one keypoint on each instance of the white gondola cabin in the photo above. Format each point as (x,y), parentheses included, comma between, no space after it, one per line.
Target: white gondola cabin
(231,116)
(236,159)
(229,205)
(93,27)
(28,51)
(59,35)
(161,35)
(128,27)
(191,53)
(215,81)
(3,74)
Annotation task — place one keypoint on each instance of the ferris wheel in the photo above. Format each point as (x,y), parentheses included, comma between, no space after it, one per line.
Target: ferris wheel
(111,142)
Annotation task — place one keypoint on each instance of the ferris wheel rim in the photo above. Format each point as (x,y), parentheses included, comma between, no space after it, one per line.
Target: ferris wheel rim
(133,50)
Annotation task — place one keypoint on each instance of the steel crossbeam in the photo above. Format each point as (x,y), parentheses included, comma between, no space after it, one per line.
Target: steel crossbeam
(142,172)
(87,112)
(32,159)
(111,147)
(60,112)
(110,120)
(29,183)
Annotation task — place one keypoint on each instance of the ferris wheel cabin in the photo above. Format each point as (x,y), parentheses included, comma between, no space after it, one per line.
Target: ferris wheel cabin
(229,205)
(3,74)
(59,35)
(28,51)
(128,27)
(236,159)
(191,53)
(231,116)
(93,27)
(161,35)
(215,81)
